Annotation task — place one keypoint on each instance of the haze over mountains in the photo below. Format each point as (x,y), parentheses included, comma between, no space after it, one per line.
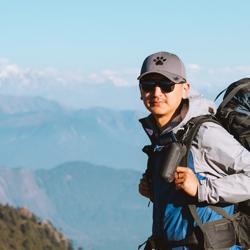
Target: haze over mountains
(96,206)
(38,133)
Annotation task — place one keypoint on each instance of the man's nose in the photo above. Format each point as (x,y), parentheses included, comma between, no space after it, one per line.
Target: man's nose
(157,90)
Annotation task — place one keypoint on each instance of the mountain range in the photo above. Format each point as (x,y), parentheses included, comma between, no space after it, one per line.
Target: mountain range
(96,206)
(39,133)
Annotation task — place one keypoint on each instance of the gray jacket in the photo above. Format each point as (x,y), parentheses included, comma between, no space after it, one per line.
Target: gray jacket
(217,156)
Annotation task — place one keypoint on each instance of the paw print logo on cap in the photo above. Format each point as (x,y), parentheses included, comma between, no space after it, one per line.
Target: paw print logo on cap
(159,60)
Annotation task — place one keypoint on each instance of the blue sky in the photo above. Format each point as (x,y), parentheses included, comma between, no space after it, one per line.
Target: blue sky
(84,53)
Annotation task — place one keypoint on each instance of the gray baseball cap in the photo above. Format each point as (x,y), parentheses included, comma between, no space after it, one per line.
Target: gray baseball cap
(166,64)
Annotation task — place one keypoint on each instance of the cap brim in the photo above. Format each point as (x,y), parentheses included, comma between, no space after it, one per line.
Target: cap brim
(172,77)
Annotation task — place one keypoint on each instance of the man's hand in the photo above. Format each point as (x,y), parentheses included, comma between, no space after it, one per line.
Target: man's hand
(186,180)
(145,187)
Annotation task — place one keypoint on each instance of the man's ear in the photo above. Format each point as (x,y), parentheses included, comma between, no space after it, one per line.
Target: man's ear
(186,89)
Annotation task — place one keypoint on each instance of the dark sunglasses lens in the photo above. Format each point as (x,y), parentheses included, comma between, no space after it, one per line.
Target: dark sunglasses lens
(167,87)
(149,85)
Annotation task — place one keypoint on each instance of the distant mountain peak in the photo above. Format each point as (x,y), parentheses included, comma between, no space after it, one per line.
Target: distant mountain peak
(24,104)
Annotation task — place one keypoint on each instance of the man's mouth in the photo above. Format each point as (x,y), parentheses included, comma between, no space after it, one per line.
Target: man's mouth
(156,103)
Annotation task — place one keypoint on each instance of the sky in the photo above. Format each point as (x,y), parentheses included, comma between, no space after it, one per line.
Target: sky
(89,53)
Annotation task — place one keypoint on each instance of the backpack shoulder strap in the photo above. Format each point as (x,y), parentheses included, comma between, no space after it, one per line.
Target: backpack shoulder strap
(186,136)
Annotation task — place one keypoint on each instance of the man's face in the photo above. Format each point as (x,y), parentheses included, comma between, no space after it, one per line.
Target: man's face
(158,100)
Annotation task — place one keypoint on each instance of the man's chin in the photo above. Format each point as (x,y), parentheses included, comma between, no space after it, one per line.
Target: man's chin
(157,111)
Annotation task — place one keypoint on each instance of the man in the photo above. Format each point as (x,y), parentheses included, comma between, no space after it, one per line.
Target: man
(218,170)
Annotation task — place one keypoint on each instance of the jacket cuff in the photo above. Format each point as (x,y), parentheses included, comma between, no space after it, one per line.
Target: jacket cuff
(202,191)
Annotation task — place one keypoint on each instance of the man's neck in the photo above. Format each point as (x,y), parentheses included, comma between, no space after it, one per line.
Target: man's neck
(163,121)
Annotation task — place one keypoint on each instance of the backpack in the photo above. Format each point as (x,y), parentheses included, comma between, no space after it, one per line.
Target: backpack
(234,111)
(234,115)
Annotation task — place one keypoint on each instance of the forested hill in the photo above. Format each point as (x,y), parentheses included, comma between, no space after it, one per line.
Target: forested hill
(22,230)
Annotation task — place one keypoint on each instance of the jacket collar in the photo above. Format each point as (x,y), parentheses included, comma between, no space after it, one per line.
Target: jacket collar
(155,135)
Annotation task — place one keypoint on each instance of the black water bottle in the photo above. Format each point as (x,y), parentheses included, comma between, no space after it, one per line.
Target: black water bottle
(172,159)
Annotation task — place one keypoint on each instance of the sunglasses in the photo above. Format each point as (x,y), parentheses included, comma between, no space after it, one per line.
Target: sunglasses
(149,85)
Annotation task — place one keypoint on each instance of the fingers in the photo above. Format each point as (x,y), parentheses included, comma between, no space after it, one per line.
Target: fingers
(179,180)
(186,180)
(144,193)
(182,170)
(181,174)
(144,187)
